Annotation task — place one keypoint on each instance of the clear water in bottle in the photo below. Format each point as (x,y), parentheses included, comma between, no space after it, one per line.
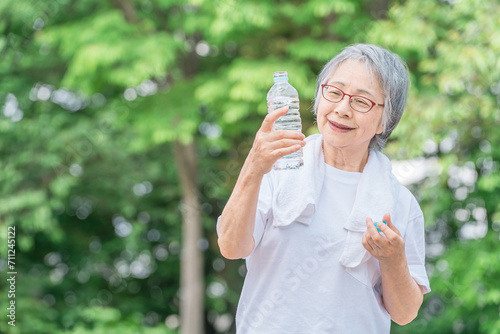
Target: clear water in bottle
(283,94)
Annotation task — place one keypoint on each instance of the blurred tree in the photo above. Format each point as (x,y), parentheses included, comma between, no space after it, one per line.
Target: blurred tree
(72,156)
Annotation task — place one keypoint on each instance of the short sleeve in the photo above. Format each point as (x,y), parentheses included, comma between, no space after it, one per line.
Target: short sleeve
(415,251)
(264,212)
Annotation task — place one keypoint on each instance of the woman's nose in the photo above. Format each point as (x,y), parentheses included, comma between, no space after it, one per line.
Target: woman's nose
(343,107)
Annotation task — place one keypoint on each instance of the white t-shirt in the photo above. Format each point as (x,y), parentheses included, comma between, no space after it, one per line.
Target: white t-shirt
(296,285)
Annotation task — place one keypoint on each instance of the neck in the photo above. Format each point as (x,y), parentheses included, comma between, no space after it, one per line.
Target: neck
(346,159)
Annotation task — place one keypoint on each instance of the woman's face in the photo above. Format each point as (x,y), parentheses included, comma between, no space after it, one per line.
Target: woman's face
(341,126)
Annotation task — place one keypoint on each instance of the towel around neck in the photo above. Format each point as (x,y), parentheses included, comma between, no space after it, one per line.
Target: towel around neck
(296,196)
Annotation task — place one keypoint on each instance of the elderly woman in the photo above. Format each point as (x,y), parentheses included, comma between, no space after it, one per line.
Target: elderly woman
(338,245)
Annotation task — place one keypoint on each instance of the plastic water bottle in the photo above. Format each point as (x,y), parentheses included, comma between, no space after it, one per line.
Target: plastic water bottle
(283,94)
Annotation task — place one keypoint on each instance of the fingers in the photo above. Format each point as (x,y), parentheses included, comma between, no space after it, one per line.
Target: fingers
(373,237)
(367,240)
(365,243)
(272,150)
(267,124)
(388,220)
(389,230)
(270,145)
(286,151)
(372,229)
(369,244)
(286,143)
(285,138)
(387,245)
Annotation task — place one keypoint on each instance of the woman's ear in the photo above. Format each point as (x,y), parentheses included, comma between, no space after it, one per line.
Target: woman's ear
(381,128)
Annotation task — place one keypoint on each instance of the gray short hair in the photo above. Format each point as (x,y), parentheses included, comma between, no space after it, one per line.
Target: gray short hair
(392,74)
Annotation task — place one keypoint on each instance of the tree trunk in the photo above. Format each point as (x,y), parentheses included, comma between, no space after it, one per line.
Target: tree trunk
(127,8)
(192,278)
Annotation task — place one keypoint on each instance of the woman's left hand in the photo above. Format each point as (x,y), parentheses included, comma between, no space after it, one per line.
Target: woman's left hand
(389,247)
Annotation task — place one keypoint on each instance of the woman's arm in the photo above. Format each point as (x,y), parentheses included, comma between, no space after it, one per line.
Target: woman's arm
(237,221)
(401,294)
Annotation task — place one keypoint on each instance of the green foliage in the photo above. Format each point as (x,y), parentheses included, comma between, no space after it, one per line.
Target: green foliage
(99,56)
(455,95)
(468,293)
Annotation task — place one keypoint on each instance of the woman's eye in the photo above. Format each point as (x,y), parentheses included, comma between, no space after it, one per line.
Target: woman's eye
(361,101)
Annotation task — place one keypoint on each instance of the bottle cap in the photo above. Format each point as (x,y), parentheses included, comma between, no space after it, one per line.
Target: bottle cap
(280,76)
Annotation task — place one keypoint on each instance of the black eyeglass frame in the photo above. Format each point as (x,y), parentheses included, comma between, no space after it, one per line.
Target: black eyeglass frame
(350,98)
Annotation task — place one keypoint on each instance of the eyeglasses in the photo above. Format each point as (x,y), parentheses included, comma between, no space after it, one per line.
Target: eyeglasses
(357,102)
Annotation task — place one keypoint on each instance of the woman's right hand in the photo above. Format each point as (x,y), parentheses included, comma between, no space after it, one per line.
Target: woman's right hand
(237,222)
(270,145)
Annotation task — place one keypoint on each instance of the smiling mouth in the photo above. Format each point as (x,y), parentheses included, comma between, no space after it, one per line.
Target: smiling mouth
(340,126)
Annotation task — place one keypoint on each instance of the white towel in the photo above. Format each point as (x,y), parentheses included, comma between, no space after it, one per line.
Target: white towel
(297,193)
(376,195)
